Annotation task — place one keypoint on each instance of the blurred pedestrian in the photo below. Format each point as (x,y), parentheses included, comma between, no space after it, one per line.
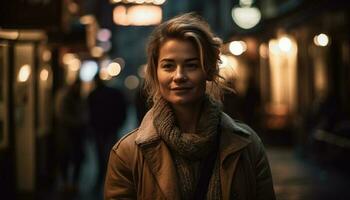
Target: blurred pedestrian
(232,101)
(141,103)
(108,108)
(186,147)
(72,117)
(251,104)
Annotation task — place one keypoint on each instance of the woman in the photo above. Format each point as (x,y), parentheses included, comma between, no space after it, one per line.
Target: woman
(185,147)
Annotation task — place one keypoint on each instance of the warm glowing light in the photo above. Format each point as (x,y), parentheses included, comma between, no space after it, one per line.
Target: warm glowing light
(244,3)
(145,15)
(285,44)
(44,74)
(228,69)
(320,76)
(224,61)
(120,16)
(87,19)
(263,50)
(282,45)
(228,61)
(74,65)
(158,2)
(321,40)
(104,74)
(24,73)
(283,72)
(155,2)
(131,82)
(121,62)
(114,69)
(237,47)
(88,70)
(246,17)
(46,55)
(137,15)
(96,52)
(73,7)
(72,62)
(68,57)
(273,47)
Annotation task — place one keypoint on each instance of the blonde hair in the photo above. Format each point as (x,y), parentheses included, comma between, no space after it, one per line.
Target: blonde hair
(192,27)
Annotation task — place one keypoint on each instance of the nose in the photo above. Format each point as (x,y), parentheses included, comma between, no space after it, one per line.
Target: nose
(180,74)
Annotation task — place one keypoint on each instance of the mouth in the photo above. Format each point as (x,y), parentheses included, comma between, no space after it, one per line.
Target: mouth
(181,88)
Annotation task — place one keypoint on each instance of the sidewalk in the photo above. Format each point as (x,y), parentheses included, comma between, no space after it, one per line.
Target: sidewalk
(299,179)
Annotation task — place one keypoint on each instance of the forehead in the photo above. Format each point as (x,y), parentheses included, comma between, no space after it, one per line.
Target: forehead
(177,49)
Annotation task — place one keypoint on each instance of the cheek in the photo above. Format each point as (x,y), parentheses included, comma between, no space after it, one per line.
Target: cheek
(162,82)
(163,77)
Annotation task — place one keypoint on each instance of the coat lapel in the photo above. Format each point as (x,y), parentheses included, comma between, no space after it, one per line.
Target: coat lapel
(157,155)
(158,158)
(233,139)
(162,167)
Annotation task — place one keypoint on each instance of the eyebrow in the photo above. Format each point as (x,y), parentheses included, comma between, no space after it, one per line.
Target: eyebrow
(186,60)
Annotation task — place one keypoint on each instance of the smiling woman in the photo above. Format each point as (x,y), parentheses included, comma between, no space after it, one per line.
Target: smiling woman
(186,147)
(181,79)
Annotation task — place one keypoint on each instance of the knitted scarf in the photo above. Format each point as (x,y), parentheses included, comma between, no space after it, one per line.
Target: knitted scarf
(189,149)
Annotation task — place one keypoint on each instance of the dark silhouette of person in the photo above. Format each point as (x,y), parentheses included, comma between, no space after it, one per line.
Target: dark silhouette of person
(232,101)
(72,117)
(142,103)
(251,104)
(243,107)
(107,108)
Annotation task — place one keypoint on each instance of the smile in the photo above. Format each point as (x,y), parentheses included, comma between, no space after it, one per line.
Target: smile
(181,88)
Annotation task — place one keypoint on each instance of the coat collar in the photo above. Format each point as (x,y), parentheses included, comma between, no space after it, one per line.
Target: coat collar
(158,157)
(234,137)
(147,132)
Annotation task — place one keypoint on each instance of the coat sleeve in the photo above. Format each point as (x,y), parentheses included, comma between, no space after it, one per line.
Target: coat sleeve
(119,179)
(264,183)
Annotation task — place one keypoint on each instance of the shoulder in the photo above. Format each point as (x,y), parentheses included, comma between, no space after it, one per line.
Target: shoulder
(248,130)
(240,130)
(256,147)
(235,126)
(126,144)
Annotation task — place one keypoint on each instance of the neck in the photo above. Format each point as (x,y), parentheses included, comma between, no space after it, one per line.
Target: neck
(187,116)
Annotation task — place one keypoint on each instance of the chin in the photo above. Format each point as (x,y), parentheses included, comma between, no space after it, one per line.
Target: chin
(184,101)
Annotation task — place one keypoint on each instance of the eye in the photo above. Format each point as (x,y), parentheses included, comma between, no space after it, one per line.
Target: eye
(192,65)
(167,66)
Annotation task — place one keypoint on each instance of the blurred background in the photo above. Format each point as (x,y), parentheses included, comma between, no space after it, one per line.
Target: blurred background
(71,73)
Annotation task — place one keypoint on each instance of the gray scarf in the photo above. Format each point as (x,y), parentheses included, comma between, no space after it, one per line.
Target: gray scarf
(190,148)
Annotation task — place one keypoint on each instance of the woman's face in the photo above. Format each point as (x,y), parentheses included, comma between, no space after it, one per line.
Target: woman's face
(180,76)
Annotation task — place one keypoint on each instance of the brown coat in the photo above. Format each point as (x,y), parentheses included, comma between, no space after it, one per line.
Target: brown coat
(140,165)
